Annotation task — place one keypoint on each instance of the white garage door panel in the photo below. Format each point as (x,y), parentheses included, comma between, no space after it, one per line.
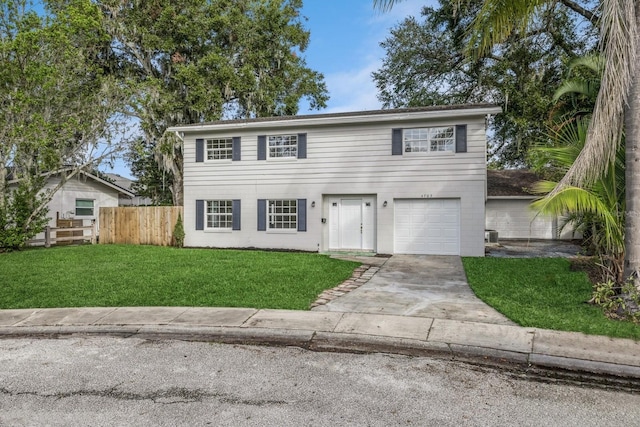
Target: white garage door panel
(427,226)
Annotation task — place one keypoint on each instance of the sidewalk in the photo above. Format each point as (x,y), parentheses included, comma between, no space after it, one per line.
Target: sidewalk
(526,348)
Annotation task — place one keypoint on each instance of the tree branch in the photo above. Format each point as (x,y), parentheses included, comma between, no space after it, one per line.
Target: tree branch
(581,11)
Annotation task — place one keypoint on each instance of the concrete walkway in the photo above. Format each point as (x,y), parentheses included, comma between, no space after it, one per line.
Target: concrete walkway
(566,353)
(418,285)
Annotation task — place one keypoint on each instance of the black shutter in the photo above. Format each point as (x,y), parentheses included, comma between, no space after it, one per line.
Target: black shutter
(235,212)
(302,145)
(302,214)
(262,147)
(235,149)
(199,214)
(262,215)
(396,142)
(199,150)
(461,138)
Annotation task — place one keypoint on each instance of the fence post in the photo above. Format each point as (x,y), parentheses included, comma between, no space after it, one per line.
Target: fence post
(47,237)
(94,232)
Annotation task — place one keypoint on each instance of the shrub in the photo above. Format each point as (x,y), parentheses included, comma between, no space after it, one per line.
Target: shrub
(178,233)
(19,220)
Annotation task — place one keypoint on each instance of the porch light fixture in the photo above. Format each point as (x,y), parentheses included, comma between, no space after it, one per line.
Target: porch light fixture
(313,204)
(384,205)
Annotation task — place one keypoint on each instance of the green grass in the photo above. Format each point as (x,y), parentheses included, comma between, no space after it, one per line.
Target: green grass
(542,293)
(124,275)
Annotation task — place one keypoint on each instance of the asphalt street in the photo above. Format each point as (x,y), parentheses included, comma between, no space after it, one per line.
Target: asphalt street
(103,381)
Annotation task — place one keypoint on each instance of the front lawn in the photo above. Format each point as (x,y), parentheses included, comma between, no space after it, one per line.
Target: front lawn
(542,293)
(125,275)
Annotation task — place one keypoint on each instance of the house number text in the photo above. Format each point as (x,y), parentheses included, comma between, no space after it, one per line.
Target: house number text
(426,196)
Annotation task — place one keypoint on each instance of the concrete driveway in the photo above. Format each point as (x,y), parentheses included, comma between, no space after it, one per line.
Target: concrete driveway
(418,285)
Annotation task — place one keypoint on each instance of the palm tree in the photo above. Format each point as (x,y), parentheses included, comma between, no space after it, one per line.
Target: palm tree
(597,210)
(617,105)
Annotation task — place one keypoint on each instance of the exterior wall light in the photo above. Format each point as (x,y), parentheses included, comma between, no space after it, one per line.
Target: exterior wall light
(313,204)
(384,205)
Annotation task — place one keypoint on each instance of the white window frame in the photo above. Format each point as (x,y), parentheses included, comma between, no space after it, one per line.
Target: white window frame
(429,140)
(282,215)
(220,149)
(92,207)
(282,146)
(218,215)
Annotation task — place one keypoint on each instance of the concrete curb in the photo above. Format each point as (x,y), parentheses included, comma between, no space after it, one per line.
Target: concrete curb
(554,353)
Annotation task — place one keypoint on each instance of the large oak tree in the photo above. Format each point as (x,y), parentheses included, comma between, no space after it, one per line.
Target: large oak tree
(190,61)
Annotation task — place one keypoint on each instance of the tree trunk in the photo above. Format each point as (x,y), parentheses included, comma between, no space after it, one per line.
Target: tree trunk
(632,171)
(177,190)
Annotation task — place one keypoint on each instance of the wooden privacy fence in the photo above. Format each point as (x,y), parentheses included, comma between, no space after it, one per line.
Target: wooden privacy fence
(141,225)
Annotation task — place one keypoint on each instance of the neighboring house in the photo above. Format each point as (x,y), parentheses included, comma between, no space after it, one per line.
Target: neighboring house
(389,181)
(508,208)
(80,197)
(124,199)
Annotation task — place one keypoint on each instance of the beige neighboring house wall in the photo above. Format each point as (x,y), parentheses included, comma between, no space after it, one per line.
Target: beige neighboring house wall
(83,187)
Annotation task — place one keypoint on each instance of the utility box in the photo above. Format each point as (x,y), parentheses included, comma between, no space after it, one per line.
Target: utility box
(491,236)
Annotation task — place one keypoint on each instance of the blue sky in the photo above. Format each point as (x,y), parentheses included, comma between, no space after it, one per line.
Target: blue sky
(344,46)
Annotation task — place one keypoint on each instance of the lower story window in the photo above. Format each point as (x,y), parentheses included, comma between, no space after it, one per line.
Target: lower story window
(220,214)
(84,207)
(283,214)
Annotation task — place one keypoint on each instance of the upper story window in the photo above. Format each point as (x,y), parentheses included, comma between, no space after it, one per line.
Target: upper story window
(283,146)
(429,140)
(84,207)
(219,148)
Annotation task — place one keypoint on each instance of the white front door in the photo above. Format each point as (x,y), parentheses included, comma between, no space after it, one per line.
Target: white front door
(351,223)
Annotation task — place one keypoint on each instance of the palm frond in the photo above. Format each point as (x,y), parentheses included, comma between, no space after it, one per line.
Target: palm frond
(578,86)
(384,5)
(618,31)
(585,207)
(593,62)
(497,20)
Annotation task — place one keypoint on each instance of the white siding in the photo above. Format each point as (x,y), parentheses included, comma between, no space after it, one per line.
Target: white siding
(352,159)
(514,219)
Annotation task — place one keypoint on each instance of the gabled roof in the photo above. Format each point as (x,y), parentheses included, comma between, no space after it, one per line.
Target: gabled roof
(120,181)
(111,185)
(438,111)
(511,182)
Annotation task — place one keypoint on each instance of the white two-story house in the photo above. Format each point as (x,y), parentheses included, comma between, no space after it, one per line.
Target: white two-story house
(404,181)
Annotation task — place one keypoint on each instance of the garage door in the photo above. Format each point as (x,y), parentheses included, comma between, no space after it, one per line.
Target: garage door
(427,226)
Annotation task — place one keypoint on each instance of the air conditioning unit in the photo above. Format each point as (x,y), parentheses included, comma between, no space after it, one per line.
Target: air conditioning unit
(491,236)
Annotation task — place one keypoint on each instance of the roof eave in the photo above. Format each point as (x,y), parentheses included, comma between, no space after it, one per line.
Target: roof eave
(360,117)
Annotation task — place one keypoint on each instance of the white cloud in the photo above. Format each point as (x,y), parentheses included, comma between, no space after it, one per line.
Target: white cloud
(354,89)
